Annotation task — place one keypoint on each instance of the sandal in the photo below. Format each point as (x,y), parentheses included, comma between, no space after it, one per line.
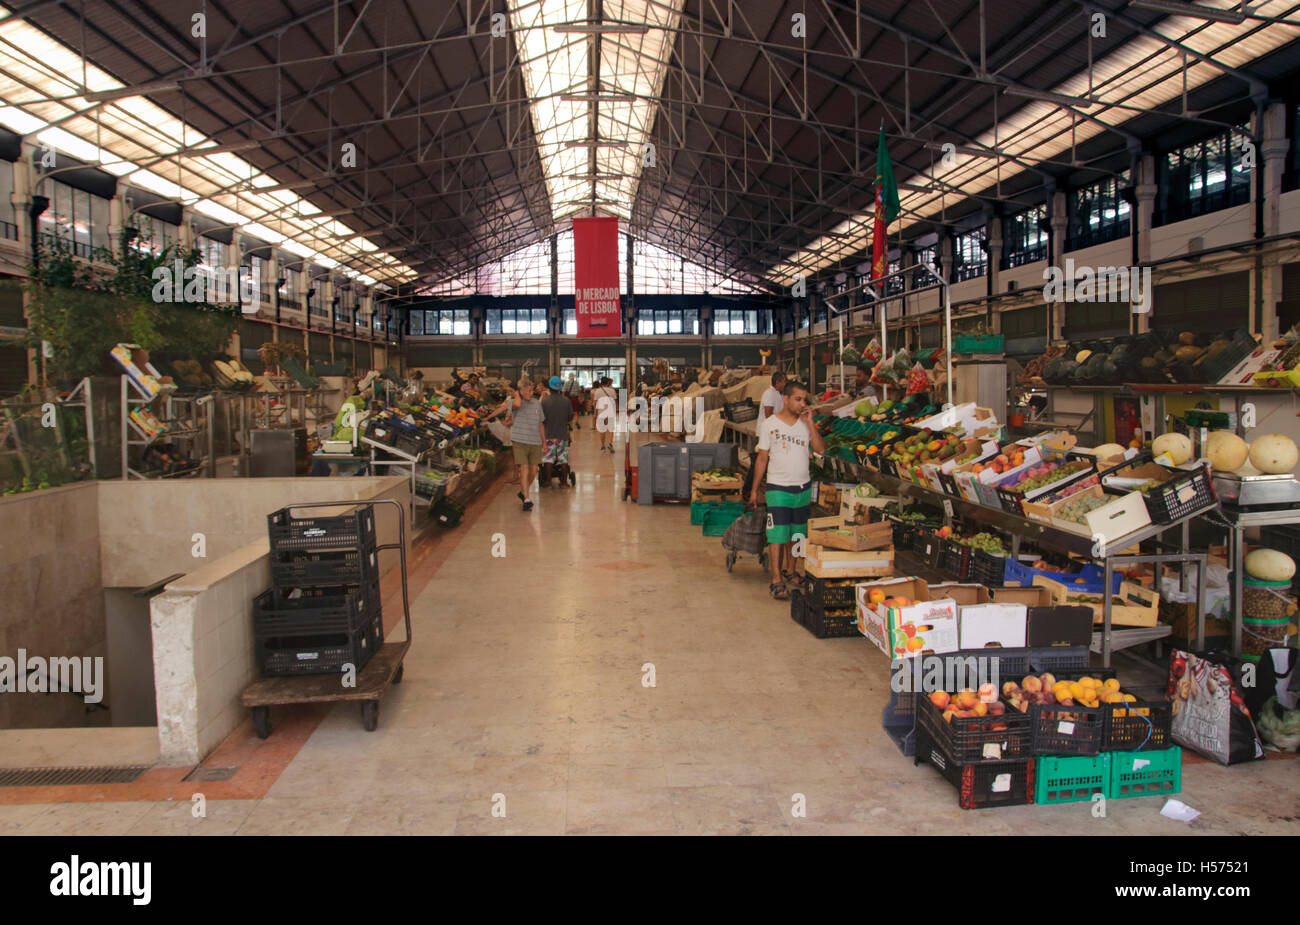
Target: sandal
(794,580)
(778,591)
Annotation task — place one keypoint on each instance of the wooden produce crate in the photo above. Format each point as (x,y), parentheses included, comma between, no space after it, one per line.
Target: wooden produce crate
(1141,606)
(821,562)
(834,533)
(710,485)
(698,494)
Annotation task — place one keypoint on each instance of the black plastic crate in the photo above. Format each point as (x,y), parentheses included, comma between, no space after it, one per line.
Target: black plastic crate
(955,559)
(290,569)
(834,593)
(984,785)
(319,653)
(1059,660)
(1215,368)
(354,530)
(971,739)
(381,431)
(1181,496)
(447,512)
(740,411)
(828,623)
(413,443)
(986,568)
(1124,729)
(1013,663)
(316,610)
(1072,730)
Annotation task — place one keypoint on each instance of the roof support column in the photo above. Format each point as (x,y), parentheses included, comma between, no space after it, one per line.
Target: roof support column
(1273,151)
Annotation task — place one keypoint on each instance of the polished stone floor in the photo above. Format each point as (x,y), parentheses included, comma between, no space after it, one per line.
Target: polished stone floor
(527,708)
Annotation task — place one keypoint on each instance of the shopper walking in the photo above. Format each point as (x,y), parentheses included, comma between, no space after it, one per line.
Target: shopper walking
(557,414)
(527,436)
(786,441)
(772,400)
(573,391)
(605,393)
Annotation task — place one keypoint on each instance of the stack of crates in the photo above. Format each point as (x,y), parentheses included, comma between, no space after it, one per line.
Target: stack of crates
(829,608)
(322,611)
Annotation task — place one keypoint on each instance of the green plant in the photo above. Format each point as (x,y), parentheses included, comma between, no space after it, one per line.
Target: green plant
(82,310)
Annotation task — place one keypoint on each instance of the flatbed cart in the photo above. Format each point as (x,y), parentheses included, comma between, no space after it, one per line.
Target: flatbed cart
(384,668)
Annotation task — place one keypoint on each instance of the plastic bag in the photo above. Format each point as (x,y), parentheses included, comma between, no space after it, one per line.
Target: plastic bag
(872,352)
(917,380)
(1279,727)
(885,372)
(902,362)
(1210,715)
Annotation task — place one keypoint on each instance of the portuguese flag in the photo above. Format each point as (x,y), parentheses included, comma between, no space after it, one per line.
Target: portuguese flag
(887,208)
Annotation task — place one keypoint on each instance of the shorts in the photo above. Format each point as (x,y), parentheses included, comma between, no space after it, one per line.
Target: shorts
(527,454)
(787,511)
(556,452)
(576,403)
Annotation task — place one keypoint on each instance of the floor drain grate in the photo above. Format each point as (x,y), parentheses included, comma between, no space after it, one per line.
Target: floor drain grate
(60,777)
(210,774)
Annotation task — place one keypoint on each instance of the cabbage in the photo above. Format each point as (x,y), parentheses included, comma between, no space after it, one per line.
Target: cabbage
(1278,727)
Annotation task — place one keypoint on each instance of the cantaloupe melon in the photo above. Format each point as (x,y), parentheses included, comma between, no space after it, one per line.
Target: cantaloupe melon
(1177,446)
(1226,451)
(1273,454)
(1108,451)
(1269,565)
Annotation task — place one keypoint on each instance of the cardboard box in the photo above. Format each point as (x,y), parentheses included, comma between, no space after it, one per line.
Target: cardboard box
(1030,597)
(1119,518)
(1140,608)
(821,562)
(993,626)
(929,627)
(850,537)
(855,505)
(873,619)
(963,594)
(1057,626)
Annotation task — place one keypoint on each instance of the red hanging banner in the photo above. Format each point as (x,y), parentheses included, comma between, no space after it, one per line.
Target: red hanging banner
(595,277)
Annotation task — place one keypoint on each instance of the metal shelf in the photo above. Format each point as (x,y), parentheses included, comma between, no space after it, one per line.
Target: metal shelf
(1109,639)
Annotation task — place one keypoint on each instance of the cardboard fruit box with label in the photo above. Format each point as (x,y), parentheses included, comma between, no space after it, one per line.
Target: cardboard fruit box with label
(903,621)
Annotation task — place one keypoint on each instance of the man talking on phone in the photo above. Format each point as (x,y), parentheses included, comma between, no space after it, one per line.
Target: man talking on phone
(786,441)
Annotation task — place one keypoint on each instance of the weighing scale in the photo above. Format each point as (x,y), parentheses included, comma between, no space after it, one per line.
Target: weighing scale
(1256,492)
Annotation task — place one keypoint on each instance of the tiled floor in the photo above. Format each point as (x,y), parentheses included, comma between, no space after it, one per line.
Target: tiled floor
(524,711)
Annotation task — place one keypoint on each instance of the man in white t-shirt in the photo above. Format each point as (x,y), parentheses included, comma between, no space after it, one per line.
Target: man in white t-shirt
(772,400)
(786,441)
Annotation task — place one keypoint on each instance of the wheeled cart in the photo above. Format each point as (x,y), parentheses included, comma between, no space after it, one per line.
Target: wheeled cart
(383,668)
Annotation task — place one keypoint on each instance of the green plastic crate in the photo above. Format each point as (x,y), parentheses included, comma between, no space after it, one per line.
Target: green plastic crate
(722,516)
(1158,773)
(1070,779)
(699,508)
(978,343)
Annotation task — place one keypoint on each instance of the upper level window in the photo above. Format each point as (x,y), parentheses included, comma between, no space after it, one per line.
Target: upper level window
(515,321)
(729,321)
(1204,177)
(440,321)
(1099,213)
(968,251)
(926,256)
(75,217)
(667,321)
(894,285)
(1023,237)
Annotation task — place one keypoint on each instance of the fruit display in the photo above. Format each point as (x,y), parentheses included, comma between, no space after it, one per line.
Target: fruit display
(924,447)
(1003,462)
(1035,368)
(1273,454)
(1047,473)
(1269,565)
(1046,690)
(1226,451)
(717,474)
(968,703)
(987,542)
(1076,511)
(1177,446)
